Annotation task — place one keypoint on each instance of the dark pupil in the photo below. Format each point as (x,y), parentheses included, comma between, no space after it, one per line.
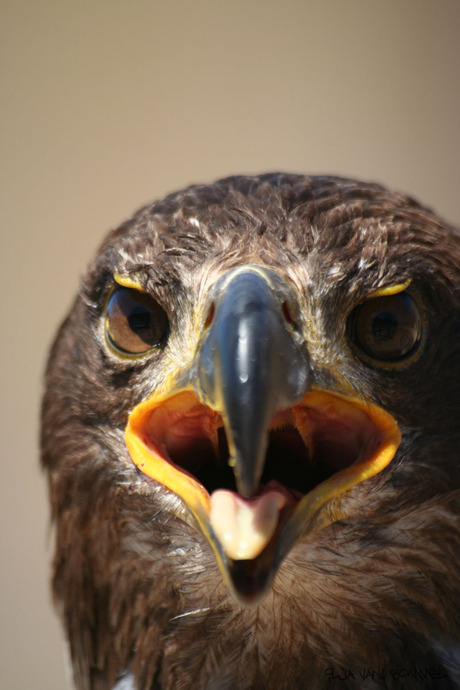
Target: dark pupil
(139,319)
(384,326)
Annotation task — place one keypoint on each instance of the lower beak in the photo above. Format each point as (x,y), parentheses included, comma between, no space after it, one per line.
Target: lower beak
(259,457)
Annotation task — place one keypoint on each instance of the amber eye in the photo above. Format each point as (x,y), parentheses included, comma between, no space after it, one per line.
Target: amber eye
(135,323)
(387,328)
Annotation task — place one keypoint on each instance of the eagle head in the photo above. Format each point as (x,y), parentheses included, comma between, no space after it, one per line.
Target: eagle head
(251,430)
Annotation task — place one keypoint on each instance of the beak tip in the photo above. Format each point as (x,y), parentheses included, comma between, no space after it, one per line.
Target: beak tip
(248,480)
(246,486)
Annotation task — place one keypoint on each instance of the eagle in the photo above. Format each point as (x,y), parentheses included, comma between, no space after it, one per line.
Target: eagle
(251,432)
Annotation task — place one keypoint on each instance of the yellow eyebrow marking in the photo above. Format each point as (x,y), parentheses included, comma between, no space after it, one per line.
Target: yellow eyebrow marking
(391,289)
(127,282)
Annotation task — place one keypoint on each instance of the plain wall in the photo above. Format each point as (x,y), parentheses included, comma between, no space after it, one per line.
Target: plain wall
(107,105)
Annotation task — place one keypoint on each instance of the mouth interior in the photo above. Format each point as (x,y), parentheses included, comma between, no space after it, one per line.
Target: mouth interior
(307,444)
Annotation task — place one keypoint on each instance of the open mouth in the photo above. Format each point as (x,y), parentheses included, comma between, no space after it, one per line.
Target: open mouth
(306,444)
(315,452)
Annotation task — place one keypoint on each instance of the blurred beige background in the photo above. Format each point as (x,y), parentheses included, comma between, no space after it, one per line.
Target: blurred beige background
(107,105)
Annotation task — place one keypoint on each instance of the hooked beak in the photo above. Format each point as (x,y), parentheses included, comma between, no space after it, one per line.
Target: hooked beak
(258,455)
(250,366)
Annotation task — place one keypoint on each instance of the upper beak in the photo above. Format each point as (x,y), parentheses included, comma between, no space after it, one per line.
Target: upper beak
(249,367)
(247,403)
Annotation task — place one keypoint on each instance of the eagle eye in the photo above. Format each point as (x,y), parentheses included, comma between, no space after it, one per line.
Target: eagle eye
(135,322)
(387,328)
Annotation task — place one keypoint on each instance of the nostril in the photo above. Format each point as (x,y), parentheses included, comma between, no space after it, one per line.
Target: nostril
(287,314)
(210,315)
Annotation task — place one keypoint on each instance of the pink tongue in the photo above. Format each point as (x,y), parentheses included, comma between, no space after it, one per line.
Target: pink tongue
(245,526)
